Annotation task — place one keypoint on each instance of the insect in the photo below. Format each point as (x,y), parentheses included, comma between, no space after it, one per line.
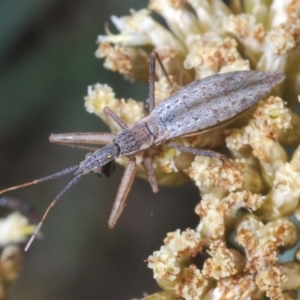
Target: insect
(200,106)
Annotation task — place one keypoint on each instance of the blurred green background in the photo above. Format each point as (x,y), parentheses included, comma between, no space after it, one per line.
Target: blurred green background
(47,61)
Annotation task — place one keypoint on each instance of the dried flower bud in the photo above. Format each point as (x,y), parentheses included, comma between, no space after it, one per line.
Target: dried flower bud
(186,243)
(210,54)
(282,199)
(10,264)
(233,287)
(280,41)
(269,117)
(193,284)
(128,61)
(248,32)
(15,228)
(270,280)
(216,215)
(208,172)
(224,262)
(164,264)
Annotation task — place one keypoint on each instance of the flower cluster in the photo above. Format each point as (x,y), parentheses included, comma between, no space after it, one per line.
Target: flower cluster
(15,228)
(247,198)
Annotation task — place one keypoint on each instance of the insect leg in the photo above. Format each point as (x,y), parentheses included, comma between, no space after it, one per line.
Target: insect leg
(122,194)
(89,138)
(195,151)
(110,115)
(88,148)
(153,56)
(152,179)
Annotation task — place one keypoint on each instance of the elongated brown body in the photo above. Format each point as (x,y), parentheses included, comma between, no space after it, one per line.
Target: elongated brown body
(198,106)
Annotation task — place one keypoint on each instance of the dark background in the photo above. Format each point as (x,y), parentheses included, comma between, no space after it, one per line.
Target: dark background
(47,61)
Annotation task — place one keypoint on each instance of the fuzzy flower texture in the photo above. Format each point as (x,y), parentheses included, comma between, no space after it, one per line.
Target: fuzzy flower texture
(249,203)
(15,228)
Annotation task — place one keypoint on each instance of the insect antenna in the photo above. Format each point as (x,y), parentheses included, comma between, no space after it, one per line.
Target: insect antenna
(37,181)
(52,204)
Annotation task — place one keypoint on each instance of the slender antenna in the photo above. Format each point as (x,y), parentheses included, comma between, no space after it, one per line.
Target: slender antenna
(46,178)
(52,204)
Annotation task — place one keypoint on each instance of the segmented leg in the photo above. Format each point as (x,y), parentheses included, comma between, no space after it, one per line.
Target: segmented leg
(87,148)
(122,194)
(89,138)
(147,159)
(111,116)
(195,151)
(154,55)
(151,176)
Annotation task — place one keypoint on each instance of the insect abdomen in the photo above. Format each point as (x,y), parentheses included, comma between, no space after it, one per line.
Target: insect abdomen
(214,100)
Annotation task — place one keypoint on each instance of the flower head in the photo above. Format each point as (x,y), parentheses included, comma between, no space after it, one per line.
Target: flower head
(205,38)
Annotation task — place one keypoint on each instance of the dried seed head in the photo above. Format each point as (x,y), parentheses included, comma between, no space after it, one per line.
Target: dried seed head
(208,172)
(193,284)
(210,54)
(224,262)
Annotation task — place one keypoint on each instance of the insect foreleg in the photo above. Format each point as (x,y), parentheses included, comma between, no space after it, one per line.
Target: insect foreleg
(195,151)
(88,138)
(122,194)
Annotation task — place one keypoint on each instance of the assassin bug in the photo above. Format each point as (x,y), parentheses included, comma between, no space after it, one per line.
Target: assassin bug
(200,106)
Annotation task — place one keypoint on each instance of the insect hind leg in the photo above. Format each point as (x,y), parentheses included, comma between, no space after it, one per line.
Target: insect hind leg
(194,151)
(153,57)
